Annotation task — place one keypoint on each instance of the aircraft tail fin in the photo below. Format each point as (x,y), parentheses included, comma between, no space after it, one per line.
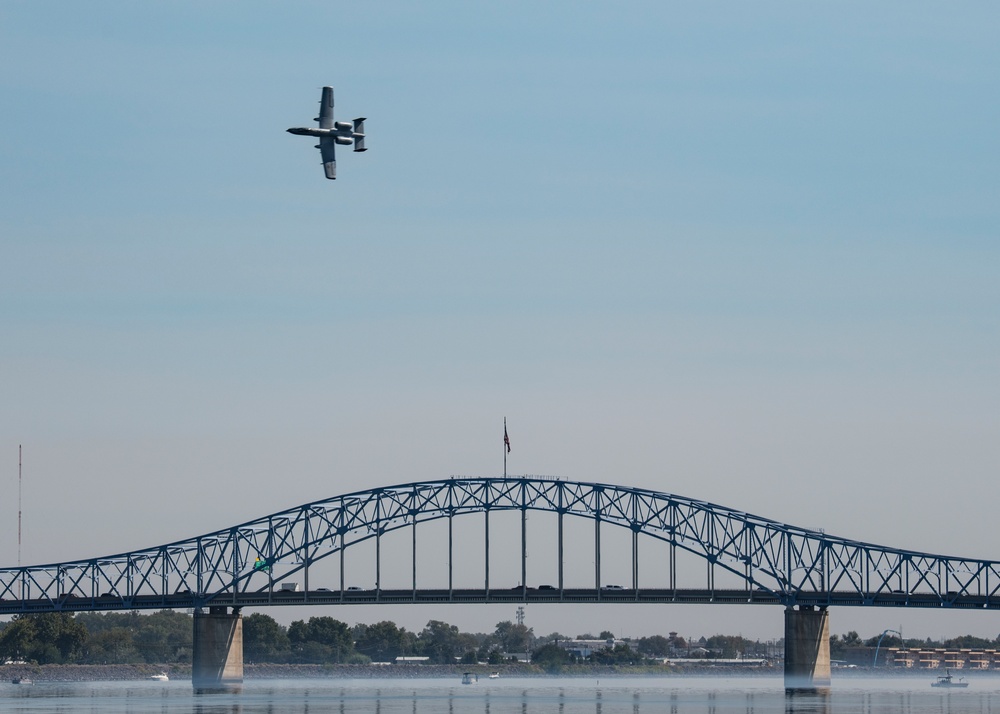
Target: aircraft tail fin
(359,134)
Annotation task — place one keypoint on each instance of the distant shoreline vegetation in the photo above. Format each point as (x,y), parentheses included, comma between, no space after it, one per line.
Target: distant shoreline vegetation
(165,638)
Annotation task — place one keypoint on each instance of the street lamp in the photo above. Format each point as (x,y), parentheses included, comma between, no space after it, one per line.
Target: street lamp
(884,633)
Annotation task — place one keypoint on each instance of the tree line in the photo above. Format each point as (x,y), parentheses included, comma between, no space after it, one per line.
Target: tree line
(842,644)
(165,637)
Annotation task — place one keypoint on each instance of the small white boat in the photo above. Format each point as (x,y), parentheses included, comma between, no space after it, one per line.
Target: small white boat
(494,675)
(161,677)
(21,680)
(947,681)
(469,678)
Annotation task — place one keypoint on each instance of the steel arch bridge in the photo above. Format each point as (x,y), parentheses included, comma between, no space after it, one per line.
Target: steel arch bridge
(769,562)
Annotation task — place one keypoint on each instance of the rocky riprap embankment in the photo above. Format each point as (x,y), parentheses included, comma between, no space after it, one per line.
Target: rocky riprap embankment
(377,671)
(133,672)
(127,672)
(88,672)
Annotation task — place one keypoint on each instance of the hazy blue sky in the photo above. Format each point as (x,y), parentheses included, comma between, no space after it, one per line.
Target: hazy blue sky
(747,253)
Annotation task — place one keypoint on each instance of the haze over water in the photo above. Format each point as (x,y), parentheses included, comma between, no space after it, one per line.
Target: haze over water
(680,695)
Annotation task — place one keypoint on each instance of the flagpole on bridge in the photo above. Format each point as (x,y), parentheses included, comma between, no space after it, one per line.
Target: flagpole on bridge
(19,502)
(506,443)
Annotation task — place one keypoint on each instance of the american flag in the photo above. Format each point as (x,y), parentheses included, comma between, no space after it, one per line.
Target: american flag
(506,439)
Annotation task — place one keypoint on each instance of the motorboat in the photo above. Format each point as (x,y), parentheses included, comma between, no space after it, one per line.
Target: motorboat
(947,681)
(494,675)
(469,678)
(161,677)
(21,680)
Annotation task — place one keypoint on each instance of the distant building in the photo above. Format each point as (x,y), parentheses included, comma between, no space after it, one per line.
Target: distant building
(943,658)
(747,662)
(584,648)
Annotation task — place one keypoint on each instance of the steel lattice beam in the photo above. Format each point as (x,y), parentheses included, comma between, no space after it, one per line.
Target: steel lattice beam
(775,562)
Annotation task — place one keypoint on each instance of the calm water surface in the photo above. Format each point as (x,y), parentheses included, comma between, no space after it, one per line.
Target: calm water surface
(676,695)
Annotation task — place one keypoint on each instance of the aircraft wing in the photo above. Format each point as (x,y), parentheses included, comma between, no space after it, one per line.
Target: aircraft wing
(328,149)
(325,117)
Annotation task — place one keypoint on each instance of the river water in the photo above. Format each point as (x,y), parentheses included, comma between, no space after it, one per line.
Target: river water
(676,695)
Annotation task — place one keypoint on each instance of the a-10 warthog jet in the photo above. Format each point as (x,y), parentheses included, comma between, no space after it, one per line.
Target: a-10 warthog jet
(332,132)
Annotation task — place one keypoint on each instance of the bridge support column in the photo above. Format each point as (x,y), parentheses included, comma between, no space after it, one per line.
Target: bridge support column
(807,650)
(218,649)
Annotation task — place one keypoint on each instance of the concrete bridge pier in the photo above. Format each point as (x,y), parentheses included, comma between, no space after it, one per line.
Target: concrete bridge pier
(807,650)
(217,661)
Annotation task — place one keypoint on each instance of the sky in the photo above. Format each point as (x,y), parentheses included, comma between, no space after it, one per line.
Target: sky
(744,253)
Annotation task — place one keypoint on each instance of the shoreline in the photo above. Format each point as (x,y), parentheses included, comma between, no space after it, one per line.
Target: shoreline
(137,672)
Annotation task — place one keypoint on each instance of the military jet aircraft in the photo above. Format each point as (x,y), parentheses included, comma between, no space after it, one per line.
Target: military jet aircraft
(332,132)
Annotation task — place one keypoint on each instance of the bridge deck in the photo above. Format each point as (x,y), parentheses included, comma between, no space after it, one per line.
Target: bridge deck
(480,596)
(694,547)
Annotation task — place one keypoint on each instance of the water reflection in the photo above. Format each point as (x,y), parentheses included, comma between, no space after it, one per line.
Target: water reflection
(808,702)
(541,696)
(199,708)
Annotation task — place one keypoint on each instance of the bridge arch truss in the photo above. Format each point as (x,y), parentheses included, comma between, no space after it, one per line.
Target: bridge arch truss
(245,565)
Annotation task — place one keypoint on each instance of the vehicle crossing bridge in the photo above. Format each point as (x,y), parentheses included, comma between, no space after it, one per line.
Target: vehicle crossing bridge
(692,552)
